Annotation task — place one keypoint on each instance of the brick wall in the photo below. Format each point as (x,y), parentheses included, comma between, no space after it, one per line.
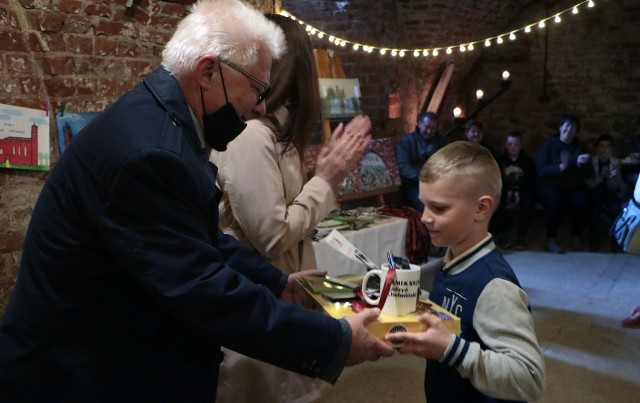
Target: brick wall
(590,61)
(85,53)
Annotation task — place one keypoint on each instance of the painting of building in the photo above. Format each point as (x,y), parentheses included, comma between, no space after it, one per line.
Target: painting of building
(24,138)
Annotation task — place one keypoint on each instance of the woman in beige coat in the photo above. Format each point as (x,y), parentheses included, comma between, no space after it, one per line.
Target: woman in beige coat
(270,203)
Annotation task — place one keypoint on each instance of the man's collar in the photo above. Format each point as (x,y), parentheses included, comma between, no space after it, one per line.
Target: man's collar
(199,130)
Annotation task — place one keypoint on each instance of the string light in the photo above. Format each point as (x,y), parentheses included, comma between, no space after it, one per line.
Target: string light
(311,30)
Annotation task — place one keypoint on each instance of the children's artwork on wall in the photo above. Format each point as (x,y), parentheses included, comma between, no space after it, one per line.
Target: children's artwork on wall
(340,97)
(70,124)
(376,174)
(24,138)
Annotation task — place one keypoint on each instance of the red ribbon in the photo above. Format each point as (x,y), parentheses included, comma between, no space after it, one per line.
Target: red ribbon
(360,304)
(387,286)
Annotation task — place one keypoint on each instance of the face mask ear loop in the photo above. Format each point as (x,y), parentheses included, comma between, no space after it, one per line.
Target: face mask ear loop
(222,78)
(202,101)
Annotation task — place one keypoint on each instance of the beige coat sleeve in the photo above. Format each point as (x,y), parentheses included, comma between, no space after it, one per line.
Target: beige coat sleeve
(265,189)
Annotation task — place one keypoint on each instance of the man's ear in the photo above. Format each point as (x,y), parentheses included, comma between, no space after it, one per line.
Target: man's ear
(485,207)
(206,68)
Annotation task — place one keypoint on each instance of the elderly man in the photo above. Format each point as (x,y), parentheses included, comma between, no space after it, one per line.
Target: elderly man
(127,287)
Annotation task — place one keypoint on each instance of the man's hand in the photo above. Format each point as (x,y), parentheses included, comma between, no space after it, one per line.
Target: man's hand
(364,345)
(289,290)
(429,344)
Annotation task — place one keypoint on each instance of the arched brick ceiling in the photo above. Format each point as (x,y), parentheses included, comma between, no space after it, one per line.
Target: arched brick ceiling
(412,23)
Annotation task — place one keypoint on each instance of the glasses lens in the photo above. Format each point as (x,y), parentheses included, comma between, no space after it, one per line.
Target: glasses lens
(263,95)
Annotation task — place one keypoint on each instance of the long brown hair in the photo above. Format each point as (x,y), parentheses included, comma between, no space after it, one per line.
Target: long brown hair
(294,83)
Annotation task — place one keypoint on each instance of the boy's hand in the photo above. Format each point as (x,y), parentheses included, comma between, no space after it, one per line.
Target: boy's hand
(429,344)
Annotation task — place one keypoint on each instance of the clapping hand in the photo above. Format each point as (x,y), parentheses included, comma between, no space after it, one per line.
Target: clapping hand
(344,151)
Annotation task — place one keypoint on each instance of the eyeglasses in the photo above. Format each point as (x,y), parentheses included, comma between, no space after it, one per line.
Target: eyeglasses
(267,88)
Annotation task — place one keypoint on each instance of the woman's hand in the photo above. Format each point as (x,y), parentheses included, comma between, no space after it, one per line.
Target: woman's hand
(344,152)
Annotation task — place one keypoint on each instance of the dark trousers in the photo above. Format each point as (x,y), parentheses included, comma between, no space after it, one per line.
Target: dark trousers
(500,222)
(559,202)
(601,200)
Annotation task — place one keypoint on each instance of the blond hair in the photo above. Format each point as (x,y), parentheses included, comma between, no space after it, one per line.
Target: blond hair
(471,163)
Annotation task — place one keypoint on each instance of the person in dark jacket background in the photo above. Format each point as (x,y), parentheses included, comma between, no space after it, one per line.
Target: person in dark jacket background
(413,150)
(127,288)
(562,165)
(518,189)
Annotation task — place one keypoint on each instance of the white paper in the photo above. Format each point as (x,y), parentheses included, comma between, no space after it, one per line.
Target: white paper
(337,241)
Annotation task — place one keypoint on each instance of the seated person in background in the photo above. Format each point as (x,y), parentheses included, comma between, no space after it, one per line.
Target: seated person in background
(562,165)
(271,205)
(496,356)
(474,132)
(606,188)
(518,189)
(413,150)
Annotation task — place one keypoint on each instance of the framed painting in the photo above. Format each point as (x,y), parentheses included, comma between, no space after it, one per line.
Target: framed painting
(340,97)
(24,138)
(70,124)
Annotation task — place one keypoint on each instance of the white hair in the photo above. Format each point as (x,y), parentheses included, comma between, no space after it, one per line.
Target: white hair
(228,29)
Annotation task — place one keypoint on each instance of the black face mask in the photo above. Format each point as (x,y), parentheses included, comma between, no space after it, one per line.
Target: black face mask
(223,125)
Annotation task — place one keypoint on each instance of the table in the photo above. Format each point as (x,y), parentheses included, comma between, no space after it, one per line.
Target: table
(373,241)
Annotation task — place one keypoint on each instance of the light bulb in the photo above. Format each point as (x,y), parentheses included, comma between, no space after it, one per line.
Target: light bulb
(512,36)
(541,24)
(575,10)
(527,29)
(557,19)
(487,43)
(479,94)
(499,40)
(470,47)
(425,53)
(435,52)
(505,75)
(591,3)
(449,51)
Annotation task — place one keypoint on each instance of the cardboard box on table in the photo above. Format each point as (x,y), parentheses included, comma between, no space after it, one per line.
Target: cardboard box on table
(384,323)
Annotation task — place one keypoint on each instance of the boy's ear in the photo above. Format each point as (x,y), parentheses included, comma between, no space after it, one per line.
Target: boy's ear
(485,207)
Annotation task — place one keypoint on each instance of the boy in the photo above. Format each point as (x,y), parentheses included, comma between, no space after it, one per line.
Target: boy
(518,188)
(496,355)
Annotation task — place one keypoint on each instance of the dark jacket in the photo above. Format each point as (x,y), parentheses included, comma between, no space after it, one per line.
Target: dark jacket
(519,174)
(127,287)
(548,163)
(413,151)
